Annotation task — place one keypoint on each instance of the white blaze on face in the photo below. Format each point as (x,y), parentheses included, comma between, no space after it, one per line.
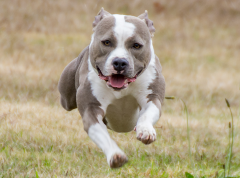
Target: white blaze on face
(122,31)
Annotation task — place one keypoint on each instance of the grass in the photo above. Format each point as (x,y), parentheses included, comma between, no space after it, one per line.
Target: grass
(188,136)
(198,46)
(231,138)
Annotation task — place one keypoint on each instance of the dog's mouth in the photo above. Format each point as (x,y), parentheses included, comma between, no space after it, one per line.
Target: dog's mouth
(117,81)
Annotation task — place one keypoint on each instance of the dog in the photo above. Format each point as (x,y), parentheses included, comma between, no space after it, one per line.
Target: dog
(116,82)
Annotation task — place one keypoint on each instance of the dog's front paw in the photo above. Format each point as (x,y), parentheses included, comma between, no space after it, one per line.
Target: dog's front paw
(118,160)
(145,133)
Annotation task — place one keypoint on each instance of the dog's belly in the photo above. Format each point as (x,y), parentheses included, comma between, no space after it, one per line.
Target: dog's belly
(122,114)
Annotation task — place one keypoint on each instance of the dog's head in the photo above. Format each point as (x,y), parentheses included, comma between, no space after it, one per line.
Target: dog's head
(120,47)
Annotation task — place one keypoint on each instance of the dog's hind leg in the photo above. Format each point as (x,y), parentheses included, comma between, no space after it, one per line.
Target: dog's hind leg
(66,86)
(67,82)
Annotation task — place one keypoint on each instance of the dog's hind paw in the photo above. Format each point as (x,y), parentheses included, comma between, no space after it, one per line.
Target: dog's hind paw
(146,133)
(118,160)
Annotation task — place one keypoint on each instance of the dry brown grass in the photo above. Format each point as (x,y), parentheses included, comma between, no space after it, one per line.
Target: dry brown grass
(198,43)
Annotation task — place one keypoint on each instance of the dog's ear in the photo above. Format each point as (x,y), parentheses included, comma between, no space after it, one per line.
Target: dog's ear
(101,14)
(148,22)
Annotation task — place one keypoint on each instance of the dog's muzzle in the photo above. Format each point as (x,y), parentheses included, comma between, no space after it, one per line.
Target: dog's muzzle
(117,81)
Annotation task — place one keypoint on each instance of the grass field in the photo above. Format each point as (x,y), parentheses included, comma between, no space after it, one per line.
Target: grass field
(198,44)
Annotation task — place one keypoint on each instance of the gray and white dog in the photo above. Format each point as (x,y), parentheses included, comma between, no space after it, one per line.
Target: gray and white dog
(116,82)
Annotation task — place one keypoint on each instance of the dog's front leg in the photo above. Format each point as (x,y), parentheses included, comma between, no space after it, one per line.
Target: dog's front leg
(149,115)
(98,133)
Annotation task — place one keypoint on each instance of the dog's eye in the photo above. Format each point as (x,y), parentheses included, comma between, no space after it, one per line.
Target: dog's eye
(106,43)
(137,46)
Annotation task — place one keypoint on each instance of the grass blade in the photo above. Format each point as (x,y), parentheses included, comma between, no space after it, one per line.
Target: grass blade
(37,174)
(231,126)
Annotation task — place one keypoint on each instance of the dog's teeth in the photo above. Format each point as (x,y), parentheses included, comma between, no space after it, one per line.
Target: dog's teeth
(126,83)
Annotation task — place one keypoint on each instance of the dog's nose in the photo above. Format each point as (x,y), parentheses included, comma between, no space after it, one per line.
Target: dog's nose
(119,64)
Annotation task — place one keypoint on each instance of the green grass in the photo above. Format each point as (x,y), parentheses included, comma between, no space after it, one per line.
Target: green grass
(55,146)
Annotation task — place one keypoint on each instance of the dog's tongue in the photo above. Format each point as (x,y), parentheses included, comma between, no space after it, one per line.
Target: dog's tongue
(117,81)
